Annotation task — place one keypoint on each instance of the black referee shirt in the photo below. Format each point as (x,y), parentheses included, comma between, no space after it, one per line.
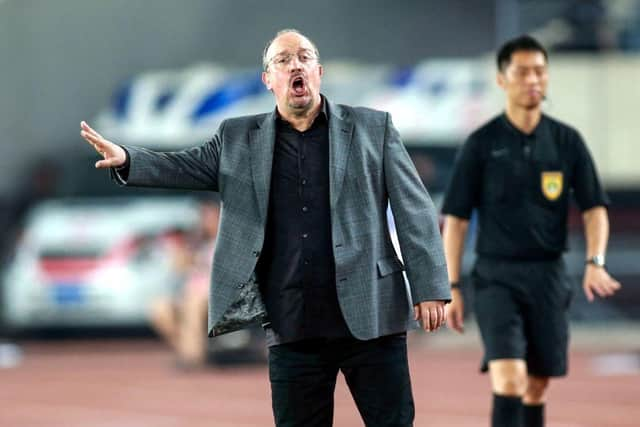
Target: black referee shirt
(520,185)
(296,269)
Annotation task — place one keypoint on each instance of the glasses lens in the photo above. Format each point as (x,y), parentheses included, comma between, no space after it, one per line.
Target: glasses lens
(282,60)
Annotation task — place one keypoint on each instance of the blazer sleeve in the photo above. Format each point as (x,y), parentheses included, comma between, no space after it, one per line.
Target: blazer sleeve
(191,169)
(416,221)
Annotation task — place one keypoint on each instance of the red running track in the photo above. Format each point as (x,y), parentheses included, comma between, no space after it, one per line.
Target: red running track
(133,384)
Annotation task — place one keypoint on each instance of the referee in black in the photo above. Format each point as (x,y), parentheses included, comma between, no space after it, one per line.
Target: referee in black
(517,171)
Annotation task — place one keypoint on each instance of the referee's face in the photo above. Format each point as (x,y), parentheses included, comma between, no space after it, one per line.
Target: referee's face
(524,80)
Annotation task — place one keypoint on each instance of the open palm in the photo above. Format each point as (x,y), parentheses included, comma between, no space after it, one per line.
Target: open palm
(113,155)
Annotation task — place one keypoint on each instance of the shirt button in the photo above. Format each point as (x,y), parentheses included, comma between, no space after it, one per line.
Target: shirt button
(304,209)
(305,235)
(306,262)
(304,182)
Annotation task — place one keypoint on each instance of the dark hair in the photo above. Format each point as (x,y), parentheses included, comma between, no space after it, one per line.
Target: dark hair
(524,42)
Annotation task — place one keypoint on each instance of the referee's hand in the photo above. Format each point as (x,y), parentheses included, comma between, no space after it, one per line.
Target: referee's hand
(597,281)
(455,311)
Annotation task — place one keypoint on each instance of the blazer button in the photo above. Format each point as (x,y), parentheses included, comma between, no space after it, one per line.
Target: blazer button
(256,254)
(240,285)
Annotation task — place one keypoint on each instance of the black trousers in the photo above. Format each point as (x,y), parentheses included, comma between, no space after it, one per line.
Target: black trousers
(303,378)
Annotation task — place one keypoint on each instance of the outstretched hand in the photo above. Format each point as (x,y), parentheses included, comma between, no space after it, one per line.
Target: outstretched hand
(113,155)
(431,313)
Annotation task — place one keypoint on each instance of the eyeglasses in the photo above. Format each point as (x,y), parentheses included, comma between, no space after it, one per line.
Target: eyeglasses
(305,57)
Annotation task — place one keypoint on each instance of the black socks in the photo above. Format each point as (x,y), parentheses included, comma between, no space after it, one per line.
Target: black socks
(507,411)
(533,415)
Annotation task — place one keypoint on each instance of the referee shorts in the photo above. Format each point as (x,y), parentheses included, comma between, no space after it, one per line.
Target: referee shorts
(522,312)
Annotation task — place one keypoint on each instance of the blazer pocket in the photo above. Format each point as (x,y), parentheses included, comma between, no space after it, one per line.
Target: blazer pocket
(389,265)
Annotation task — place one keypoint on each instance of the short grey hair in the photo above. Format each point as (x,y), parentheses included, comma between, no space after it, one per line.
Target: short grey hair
(265,61)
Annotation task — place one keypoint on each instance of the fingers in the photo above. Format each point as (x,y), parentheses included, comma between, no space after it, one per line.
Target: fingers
(89,130)
(594,289)
(603,289)
(426,319)
(455,319)
(106,163)
(587,291)
(599,290)
(458,321)
(597,281)
(609,287)
(613,285)
(442,315)
(94,138)
(432,315)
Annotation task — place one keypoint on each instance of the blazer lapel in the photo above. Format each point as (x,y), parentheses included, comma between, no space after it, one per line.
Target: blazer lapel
(261,142)
(340,137)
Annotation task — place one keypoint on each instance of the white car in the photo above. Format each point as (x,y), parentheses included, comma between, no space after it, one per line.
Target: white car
(94,262)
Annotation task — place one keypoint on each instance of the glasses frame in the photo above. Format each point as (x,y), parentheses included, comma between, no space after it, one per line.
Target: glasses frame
(283,59)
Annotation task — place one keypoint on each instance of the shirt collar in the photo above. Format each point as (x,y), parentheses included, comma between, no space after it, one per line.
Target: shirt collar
(533,134)
(324,111)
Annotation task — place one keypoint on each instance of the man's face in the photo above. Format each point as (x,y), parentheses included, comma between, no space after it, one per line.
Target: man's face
(293,74)
(524,80)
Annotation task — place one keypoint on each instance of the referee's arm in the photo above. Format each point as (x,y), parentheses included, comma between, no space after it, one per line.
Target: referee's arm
(593,202)
(461,197)
(596,278)
(453,237)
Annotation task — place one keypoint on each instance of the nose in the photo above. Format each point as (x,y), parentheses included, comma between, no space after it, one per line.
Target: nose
(532,77)
(295,63)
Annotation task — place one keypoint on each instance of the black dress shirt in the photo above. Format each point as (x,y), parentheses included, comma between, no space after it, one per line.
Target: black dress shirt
(296,268)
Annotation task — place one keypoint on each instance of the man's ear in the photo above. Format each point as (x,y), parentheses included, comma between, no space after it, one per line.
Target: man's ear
(320,70)
(266,80)
(500,79)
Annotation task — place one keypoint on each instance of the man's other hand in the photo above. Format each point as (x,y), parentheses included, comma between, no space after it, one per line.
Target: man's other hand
(431,313)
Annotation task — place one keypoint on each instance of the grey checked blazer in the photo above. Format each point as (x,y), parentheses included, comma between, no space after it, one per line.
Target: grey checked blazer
(369,167)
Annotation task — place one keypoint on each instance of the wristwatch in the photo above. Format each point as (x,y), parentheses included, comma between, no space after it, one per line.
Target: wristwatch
(597,260)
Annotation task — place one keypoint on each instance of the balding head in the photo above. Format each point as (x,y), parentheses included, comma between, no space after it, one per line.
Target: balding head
(267,53)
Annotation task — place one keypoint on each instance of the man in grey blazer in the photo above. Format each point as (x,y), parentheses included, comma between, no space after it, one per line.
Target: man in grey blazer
(303,244)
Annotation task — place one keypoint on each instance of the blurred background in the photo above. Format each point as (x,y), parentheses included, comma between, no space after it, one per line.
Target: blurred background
(98,283)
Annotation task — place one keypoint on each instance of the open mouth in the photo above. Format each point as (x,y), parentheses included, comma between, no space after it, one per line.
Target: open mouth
(298,86)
